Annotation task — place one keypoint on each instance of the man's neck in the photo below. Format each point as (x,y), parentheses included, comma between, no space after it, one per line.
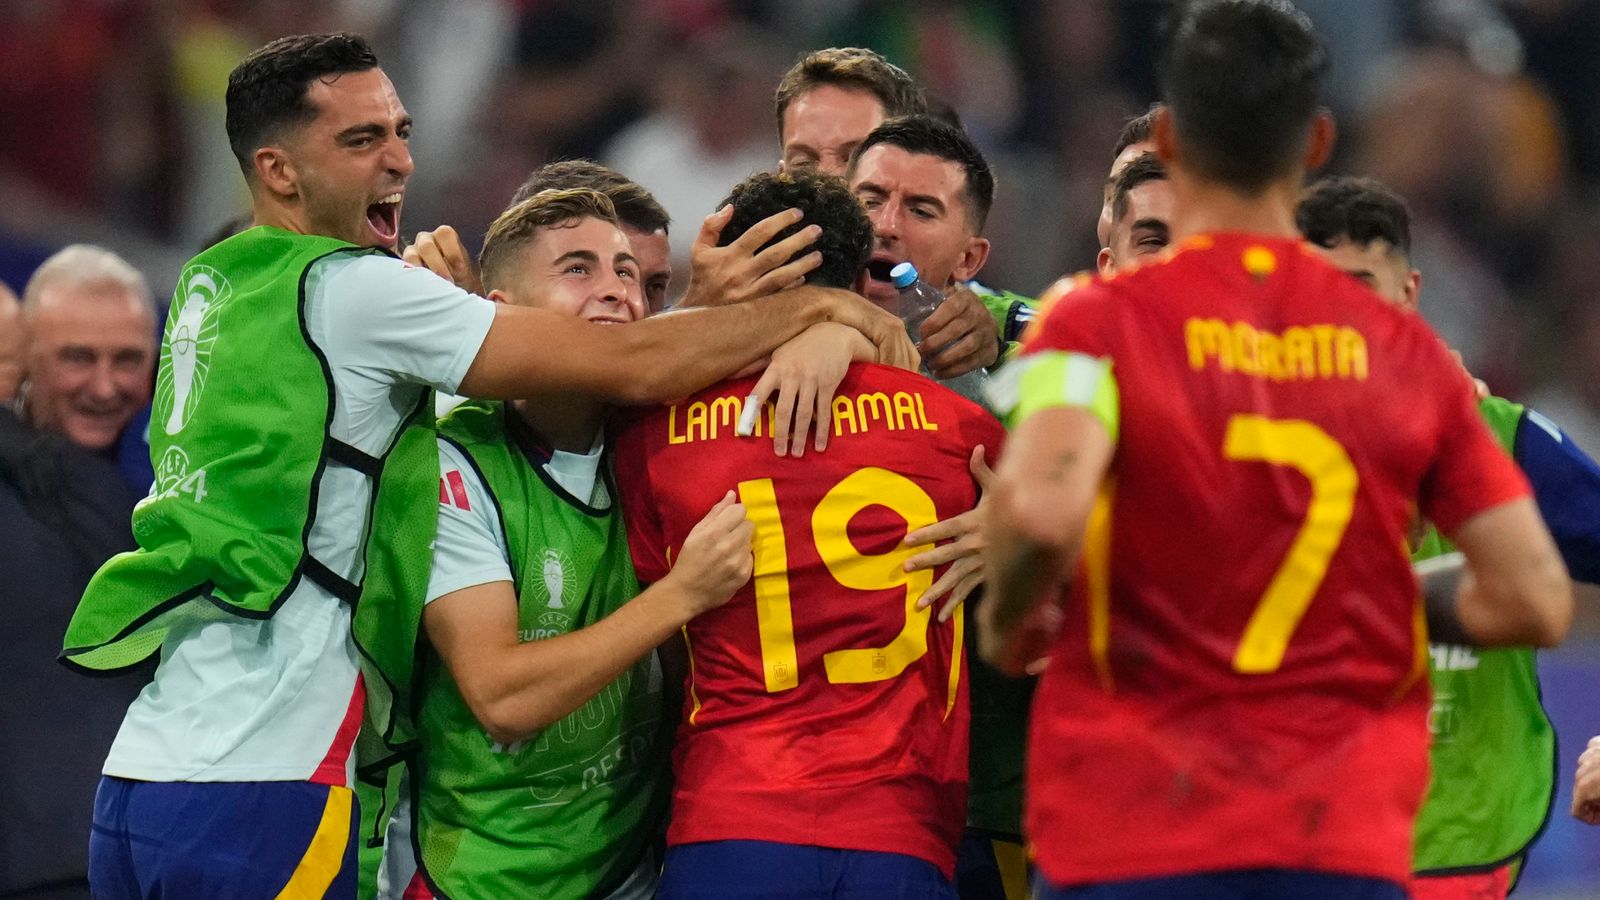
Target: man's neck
(570,423)
(290,218)
(1202,207)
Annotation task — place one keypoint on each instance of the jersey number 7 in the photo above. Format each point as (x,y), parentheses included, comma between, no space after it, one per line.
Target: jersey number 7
(1323,461)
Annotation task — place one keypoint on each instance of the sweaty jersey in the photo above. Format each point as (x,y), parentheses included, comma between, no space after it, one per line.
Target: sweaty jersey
(1240,681)
(823,708)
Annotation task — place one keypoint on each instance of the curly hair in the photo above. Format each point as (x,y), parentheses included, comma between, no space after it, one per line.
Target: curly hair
(846,239)
(517,227)
(1361,210)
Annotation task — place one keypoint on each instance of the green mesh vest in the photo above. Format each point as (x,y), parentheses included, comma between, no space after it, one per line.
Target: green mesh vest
(569,812)
(1493,754)
(239,438)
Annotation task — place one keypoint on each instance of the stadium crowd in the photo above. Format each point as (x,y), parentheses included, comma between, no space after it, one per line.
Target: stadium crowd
(447,597)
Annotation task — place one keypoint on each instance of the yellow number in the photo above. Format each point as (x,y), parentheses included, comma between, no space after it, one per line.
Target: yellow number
(865,487)
(1322,460)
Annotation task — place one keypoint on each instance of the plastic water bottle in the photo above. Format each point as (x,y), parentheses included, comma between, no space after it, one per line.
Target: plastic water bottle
(918,300)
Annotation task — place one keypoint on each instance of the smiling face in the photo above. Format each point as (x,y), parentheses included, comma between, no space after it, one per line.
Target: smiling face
(90,360)
(584,268)
(822,127)
(349,164)
(1144,230)
(918,212)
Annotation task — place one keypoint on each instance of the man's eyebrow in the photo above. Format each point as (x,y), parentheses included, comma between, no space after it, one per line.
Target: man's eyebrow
(1152,224)
(366,129)
(929,199)
(588,256)
(869,186)
(625,257)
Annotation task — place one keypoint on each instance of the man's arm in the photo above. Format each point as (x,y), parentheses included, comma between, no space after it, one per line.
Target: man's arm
(535,351)
(1508,587)
(1054,463)
(514,689)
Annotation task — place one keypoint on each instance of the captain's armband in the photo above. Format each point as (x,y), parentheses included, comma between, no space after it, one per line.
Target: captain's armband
(1056,378)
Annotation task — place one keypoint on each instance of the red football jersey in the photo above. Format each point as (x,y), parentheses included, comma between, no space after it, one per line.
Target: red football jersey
(1241,678)
(823,709)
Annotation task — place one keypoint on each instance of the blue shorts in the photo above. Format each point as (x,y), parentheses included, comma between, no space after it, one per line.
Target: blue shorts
(992,867)
(1247,884)
(763,870)
(239,840)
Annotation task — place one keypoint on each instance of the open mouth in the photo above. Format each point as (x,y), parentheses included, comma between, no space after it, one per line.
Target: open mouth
(384,219)
(878,268)
(607,320)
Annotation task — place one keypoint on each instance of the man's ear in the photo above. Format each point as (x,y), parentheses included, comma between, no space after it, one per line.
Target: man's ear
(1105,264)
(499,296)
(972,259)
(1319,148)
(276,171)
(1411,290)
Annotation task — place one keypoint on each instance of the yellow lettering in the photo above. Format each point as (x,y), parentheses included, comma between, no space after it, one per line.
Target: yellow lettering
(905,411)
(874,407)
(1299,353)
(844,411)
(1246,350)
(1207,338)
(724,414)
(1270,348)
(673,437)
(1352,354)
(1324,335)
(696,417)
(923,415)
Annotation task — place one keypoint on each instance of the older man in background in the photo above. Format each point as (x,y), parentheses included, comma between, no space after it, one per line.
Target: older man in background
(85,337)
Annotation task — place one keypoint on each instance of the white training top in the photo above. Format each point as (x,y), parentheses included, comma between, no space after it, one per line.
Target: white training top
(242,700)
(470,547)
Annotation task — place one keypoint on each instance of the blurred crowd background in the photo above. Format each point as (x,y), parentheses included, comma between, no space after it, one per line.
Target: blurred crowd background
(1485,114)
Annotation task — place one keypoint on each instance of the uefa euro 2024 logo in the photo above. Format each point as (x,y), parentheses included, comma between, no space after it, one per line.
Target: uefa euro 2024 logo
(192,328)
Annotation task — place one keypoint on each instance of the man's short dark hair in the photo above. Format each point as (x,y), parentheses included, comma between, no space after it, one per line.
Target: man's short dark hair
(855,69)
(1146,167)
(1360,210)
(846,239)
(268,89)
(1136,130)
(1243,79)
(929,136)
(636,207)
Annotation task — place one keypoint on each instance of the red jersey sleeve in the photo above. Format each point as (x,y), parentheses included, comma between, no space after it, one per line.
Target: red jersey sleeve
(1471,472)
(1076,318)
(646,537)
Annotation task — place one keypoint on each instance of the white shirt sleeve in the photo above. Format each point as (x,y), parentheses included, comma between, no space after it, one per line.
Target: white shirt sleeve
(469,547)
(401,319)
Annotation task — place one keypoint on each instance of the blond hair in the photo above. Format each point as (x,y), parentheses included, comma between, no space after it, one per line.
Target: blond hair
(519,226)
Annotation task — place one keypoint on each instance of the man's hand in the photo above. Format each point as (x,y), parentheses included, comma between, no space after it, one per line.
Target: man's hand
(960,336)
(1030,642)
(1586,785)
(883,329)
(716,559)
(441,252)
(805,373)
(964,551)
(743,270)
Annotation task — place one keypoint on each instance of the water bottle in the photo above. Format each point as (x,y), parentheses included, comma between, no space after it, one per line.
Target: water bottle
(918,300)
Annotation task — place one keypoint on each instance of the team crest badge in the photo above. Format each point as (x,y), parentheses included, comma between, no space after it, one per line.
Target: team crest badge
(192,329)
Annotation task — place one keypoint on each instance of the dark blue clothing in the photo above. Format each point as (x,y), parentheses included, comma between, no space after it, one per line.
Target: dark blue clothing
(240,840)
(763,870)
(1566,485)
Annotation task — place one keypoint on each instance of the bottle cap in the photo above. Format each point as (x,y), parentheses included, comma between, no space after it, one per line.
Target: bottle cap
(903,275)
